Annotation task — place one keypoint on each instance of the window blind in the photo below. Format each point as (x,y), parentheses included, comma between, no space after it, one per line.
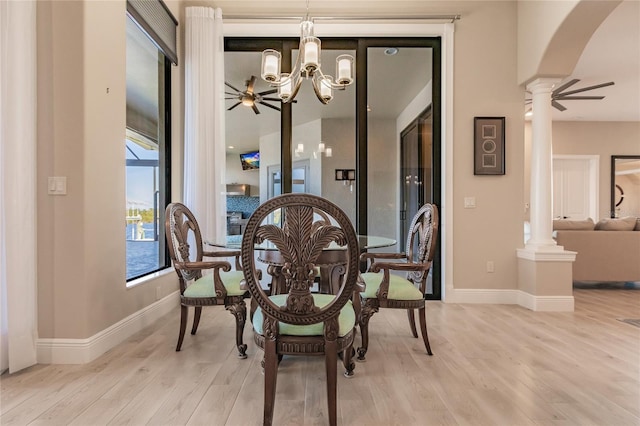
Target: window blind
(158,23)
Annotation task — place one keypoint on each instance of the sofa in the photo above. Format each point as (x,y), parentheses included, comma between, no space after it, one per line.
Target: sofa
(606,251)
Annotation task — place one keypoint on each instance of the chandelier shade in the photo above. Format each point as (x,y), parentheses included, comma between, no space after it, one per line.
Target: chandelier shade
(306,67)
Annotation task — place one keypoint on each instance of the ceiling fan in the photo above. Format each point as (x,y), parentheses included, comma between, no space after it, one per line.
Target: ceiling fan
(250,98)
(559,94)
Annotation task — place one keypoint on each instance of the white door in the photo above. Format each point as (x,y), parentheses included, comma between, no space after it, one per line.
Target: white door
(575,186)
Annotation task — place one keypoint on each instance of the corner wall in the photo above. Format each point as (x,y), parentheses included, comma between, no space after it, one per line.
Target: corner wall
(485,84)
(82,288)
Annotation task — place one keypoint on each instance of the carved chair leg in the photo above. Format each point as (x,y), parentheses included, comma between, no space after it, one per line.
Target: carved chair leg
(412,323)
(365,315)
(239,311)
(270,376)
(422,313)
(331,360)
(196,319)
(184,313)
(347,360)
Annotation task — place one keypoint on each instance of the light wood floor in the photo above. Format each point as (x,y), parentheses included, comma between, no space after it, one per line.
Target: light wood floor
(492,365)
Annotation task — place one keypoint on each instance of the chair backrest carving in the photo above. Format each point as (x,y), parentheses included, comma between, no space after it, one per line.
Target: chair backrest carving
(186,239)
(300,242)
(421,241)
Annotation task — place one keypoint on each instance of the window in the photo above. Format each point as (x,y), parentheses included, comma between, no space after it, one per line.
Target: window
(147,153)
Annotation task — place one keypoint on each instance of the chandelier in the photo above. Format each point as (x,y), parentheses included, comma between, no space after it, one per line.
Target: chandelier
(307,66)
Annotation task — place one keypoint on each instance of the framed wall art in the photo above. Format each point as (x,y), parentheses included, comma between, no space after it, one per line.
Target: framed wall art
(488,146)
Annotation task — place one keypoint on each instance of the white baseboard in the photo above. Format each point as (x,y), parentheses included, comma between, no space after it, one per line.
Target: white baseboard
(81,351)
(546,303)
(511,297)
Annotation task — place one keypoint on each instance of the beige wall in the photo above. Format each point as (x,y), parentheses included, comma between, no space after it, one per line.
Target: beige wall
(81,131)
(485,84)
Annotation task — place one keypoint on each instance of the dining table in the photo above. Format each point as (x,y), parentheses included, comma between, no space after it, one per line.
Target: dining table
(330,264)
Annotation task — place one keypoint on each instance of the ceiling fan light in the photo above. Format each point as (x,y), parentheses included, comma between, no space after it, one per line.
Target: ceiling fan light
(270,65)
(247,101)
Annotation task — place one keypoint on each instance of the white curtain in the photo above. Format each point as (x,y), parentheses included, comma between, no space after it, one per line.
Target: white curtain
(204,150)
(18,184)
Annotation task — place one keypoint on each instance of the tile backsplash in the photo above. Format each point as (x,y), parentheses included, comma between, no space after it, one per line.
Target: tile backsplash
(246,205)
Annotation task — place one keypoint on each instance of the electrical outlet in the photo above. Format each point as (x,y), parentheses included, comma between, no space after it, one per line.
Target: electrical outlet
(490,266)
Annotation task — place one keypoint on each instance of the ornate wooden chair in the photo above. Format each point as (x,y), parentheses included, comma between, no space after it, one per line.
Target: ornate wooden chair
(221,287)
(386,290)
(293,320)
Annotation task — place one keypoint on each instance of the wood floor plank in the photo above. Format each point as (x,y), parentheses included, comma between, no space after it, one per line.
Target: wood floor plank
(492,365)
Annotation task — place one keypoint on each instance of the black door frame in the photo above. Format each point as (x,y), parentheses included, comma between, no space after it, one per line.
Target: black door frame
(360,44)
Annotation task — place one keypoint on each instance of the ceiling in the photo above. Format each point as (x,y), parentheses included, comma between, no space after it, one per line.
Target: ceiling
(612,54)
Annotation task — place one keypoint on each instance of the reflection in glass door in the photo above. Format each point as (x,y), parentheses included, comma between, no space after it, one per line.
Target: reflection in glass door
(359,131)
(415,170)
(401,172)
(325,135)
(299,181)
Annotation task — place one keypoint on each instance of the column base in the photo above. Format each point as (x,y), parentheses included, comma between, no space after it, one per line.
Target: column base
(543,245)
(545,277)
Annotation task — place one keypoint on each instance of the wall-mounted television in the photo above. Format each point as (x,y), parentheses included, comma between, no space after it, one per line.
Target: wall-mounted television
(250,160)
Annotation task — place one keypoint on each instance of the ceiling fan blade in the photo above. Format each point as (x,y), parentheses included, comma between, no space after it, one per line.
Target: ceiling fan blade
(232,94)
(570,98)
(233,106)
(237,90)
(564,86)
(270,106)
(250,84)
(597,86)
(557,106)
(233,97)
(268,92)
(255,109)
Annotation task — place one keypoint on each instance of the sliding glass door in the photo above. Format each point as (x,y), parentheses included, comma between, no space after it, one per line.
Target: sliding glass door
(352,146)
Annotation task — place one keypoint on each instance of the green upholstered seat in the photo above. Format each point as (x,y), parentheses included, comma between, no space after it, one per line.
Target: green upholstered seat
(399,287)
(204,286)
(346,320)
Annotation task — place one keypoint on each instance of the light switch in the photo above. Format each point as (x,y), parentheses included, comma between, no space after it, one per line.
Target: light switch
(57,185)
(469,202)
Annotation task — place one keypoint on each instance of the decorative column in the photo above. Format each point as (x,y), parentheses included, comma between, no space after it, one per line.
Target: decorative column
(545,275)
(541,212)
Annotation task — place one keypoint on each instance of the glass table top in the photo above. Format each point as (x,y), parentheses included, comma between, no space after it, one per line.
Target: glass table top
(364,241)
